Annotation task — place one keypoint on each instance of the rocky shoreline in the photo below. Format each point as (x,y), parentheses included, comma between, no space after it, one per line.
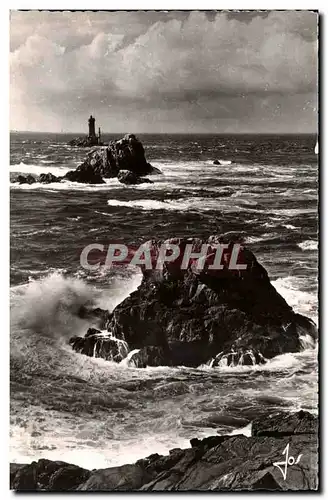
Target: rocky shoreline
(217,463)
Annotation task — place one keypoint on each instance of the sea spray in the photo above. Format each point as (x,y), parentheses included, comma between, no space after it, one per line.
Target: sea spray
(128,361)
(45,314)
(50,306)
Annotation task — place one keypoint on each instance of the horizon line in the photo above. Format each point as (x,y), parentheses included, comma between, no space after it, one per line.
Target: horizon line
(163,133)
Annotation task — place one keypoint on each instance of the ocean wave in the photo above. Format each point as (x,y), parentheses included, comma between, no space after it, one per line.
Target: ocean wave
(23,168)
(279,363)
(308,245)
(50,305)
(263,237)
(66,185)
(290,212)
(147,204)
(293,289)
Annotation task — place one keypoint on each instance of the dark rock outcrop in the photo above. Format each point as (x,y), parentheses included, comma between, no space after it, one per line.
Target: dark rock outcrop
(99,317)
(125,154)
(230,316)
(128,177)
(124,159)
(99,344)
(124,478)
(216,463)
(49,178)
(26,179)
(43,179)
(85,142)
(84,174)
(151,356)
(285,424)
(47,475)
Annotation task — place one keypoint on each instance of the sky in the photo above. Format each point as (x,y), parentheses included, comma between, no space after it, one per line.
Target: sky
(164,72)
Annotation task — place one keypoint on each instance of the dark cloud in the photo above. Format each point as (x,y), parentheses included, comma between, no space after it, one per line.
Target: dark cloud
(222,70)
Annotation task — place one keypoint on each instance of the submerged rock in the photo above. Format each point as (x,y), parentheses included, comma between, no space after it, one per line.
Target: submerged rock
(127,177)
(216,463)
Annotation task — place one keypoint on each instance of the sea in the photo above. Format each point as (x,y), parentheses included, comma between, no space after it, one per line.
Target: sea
(95,413)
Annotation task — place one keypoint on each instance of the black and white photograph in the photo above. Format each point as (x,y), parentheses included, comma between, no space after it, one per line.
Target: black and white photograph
(164,191)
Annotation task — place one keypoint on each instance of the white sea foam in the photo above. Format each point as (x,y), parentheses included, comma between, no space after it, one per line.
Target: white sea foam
(301,301)
(263,237)
(23,168)
(225,162)
(295,211)
(50,305)
(111,453)
(66,185)
(308,245)
(148,204)
(196,204)
(127,361)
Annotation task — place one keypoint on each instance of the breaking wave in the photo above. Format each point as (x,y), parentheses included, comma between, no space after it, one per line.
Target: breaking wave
(23,168)
(303,302)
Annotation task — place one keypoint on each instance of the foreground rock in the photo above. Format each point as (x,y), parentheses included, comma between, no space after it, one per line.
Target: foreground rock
(216,463)
(190,317)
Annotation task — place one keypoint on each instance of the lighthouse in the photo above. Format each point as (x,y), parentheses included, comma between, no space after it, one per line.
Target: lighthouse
(92,127)
(91,139)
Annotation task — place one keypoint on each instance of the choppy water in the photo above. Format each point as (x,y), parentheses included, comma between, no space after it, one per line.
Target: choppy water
(95,413)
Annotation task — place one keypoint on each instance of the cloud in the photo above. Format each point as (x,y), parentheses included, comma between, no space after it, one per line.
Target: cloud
(146,65)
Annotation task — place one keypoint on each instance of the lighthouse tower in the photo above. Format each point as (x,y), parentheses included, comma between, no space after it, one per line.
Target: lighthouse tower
(93,139)
(92,127)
